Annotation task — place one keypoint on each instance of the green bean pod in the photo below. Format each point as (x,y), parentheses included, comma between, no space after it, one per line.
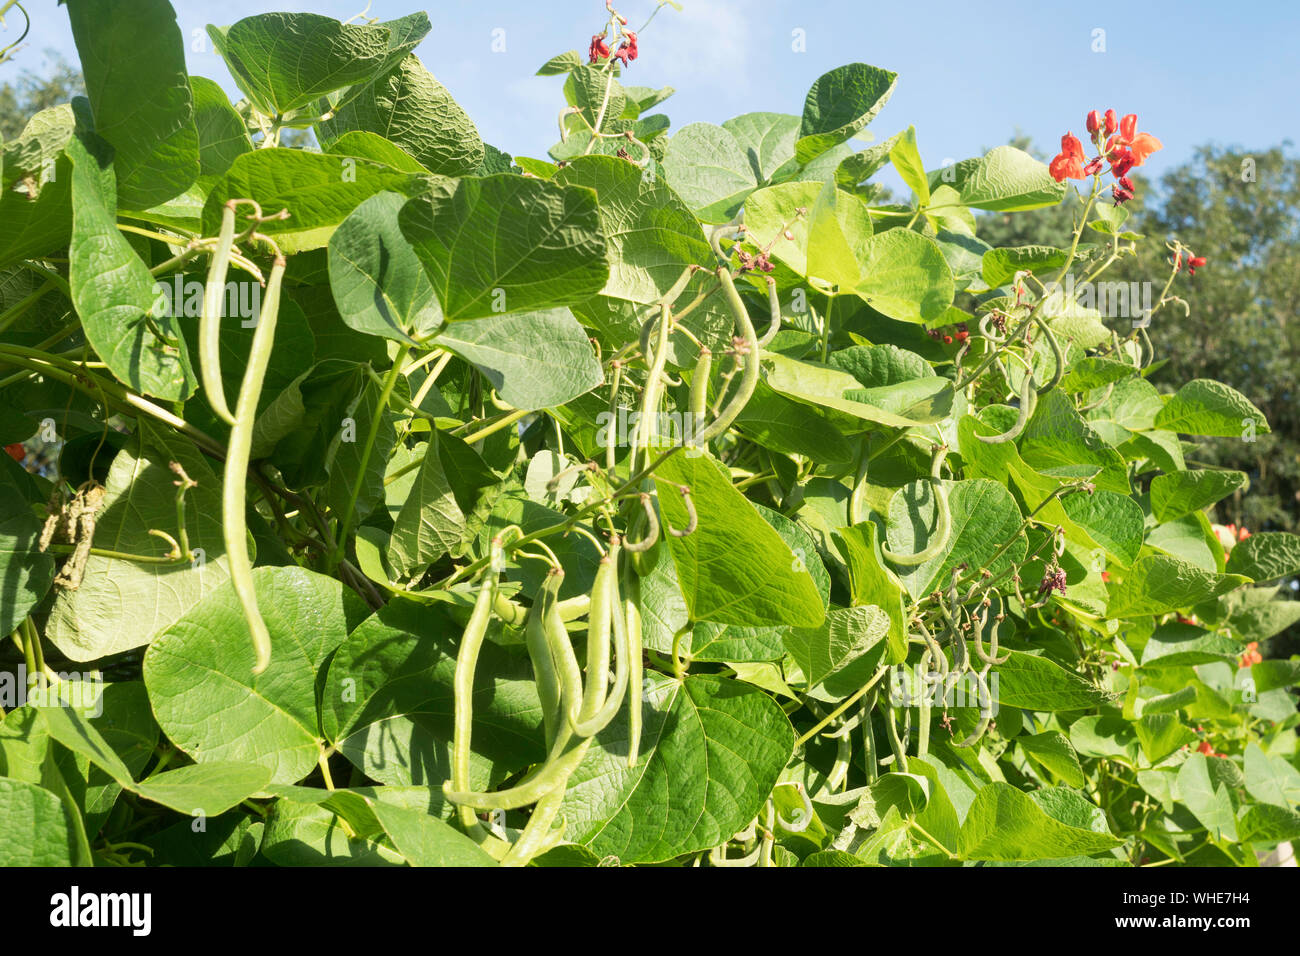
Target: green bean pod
(563,759)
(634,686)
(214,301)
(538,834)
(1028,401)
(749,380)
(566,665)
(598,631)
(233,492)
(545,672)
(699,395)
(471,643)
(622,667)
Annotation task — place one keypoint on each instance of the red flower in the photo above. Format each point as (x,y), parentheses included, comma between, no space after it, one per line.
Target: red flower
(1130,142)
(1252,655)
(1093,123)
(1094,167)
(599,48)
(1111,123)
(1105,576)
(1192,266)
(16,451)
(962,335)
(1068,163)
(1206,749)
(627,49)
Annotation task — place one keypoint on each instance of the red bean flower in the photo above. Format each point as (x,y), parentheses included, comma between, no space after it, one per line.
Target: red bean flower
(1131,145)
(1252,655)
(627,49)
(599,49)
(1068,163)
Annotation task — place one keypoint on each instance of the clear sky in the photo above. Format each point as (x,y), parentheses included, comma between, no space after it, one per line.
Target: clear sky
(971,73)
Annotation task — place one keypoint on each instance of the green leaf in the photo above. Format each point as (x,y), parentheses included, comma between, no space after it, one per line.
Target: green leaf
(871,582)
(284,61)
(906,276)
(1210,804)
(223,136)
(1161,735)
(200,673)
(816,384)
(39,815)
(1113,521)
(35,203)
(1010,180)
(1174,644)
(709,170)
(1270,779)
(122,604)
(1005,824)
(767,140)
(561,64)
(1059,442)
(306,834)
(25,573)
(1158,584)
(711,751)
(411,109)
(1051,749)
(112,289)
(1269,824)
(1206,407)
(423,839)
(367,145)
(533,359)
(211,787)
(734,568)
(430,522)
(999,266)
(319,190)
(1266,556)
(1036,683)
(128,47)
(840,656)
(650,234)
(907,160)
(387,702)
(983,517)
(507,243)
(1181,493)
(839,104)
(378,283)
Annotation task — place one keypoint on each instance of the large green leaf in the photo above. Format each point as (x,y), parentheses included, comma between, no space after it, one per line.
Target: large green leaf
(200,673)
(284,61)
(650,234)
(430,522)
(1206,407)
(709,170)
(1036,683)
(983,516)
(35,203)
(507,243)
(839,104)
(1010,180)
(1209,800)
(734,568)
(1005,824)
(128,47)
(906,277)
(1183,492)
(533,359)
(1266,556)
(121,603)
(840,656)
(711,751)
(378,283)
(112,288)
(1158,584)
(410,108)
(319,190)
(223,136)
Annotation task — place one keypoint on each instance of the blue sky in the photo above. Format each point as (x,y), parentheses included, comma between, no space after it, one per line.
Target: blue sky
(970,73)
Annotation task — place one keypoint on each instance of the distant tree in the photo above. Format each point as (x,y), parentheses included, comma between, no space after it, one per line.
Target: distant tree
(32,92)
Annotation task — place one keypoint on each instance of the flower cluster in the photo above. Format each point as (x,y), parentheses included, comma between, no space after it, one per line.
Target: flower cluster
(1124,148)
(1252,655)
(959,334)
(600,50)
(750,261)
(1191,262)
(1053,579)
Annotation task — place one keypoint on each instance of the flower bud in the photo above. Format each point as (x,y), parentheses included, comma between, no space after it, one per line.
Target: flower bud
(1093,122)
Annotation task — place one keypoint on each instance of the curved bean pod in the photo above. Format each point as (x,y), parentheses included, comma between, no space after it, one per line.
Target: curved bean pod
(214,301)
